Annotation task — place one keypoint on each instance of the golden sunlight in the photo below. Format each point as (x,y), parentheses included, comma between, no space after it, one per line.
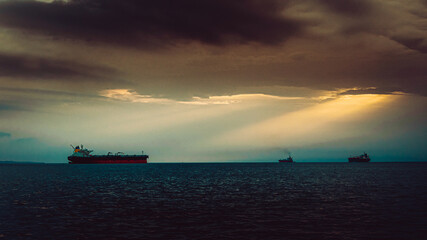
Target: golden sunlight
(308,125)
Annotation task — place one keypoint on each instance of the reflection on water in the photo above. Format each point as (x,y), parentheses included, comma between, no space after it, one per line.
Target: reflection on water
(214,201)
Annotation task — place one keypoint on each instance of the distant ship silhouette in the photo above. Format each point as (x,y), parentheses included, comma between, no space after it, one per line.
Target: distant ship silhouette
(83,156)
(286,160)
(362,158)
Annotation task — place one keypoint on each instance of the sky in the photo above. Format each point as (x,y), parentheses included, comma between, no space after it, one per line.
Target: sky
(214,80)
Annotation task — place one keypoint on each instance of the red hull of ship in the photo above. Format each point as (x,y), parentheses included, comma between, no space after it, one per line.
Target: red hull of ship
(107,160)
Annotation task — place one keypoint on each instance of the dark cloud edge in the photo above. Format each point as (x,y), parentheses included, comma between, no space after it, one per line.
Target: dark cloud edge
(154,23)
(47,92)
(158,23)
(162,23)
(384,90)
(36,67)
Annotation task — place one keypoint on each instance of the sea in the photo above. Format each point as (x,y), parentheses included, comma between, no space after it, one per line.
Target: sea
(214,201)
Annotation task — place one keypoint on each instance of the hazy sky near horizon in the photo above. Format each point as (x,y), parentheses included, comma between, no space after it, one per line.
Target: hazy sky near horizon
(206,81)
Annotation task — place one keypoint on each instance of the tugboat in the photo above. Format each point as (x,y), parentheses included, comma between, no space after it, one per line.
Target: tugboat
(362,158)
(287,160)
(82,156)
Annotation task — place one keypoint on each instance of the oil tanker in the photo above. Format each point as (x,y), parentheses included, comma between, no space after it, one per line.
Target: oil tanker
(362,158)
(83,156)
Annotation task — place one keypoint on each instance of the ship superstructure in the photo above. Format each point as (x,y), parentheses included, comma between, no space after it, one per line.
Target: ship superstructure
(287,160)
(362,158)
(83,156)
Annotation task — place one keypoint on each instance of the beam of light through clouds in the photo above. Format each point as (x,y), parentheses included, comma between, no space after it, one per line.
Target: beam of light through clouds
(213,80)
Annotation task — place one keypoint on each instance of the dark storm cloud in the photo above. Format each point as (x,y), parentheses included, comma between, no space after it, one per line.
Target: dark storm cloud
(415,43)
(139,22)
(349,7)
(372,91)
(38,67)
(150,24)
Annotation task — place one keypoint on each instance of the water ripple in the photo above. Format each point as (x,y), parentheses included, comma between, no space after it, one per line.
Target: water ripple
(214,201)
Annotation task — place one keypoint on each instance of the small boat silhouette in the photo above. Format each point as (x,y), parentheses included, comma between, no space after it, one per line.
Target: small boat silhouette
(287,160)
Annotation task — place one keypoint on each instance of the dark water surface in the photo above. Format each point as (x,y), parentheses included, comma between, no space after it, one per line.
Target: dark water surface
(214,201)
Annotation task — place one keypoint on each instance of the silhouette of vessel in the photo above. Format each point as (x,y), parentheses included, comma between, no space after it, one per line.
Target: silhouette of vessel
(82,156)
(286,160)
(362,158)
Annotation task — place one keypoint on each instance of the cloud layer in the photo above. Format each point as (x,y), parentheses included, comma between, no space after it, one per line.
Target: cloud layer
(26,66)
(143,23)
(215,47)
